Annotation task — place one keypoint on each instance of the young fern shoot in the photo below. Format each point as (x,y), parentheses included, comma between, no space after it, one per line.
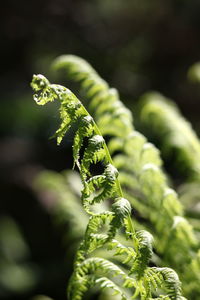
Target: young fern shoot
(140,281)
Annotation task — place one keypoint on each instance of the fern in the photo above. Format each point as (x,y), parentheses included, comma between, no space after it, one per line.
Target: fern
(139,165)
(102,227)
(175,133)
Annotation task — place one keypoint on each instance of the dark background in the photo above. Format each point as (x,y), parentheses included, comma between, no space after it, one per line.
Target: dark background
(136,45)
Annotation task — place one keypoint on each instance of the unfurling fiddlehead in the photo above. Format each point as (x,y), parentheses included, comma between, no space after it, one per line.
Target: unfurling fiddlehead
(90,270)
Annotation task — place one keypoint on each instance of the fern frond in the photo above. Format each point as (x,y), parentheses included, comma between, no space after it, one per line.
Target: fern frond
(95,265)
(167,278)
(138,159)
(86,269)
(173,131)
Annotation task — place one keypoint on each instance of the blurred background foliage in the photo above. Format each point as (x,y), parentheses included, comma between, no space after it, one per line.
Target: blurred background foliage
(135,45)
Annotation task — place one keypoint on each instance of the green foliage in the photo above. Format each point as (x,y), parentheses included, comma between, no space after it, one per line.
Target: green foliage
(140,168)
(174,133)
(90,270)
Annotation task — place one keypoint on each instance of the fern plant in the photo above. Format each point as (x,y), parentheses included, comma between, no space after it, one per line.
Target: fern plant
(134,275)
(176,136)
(143,181)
